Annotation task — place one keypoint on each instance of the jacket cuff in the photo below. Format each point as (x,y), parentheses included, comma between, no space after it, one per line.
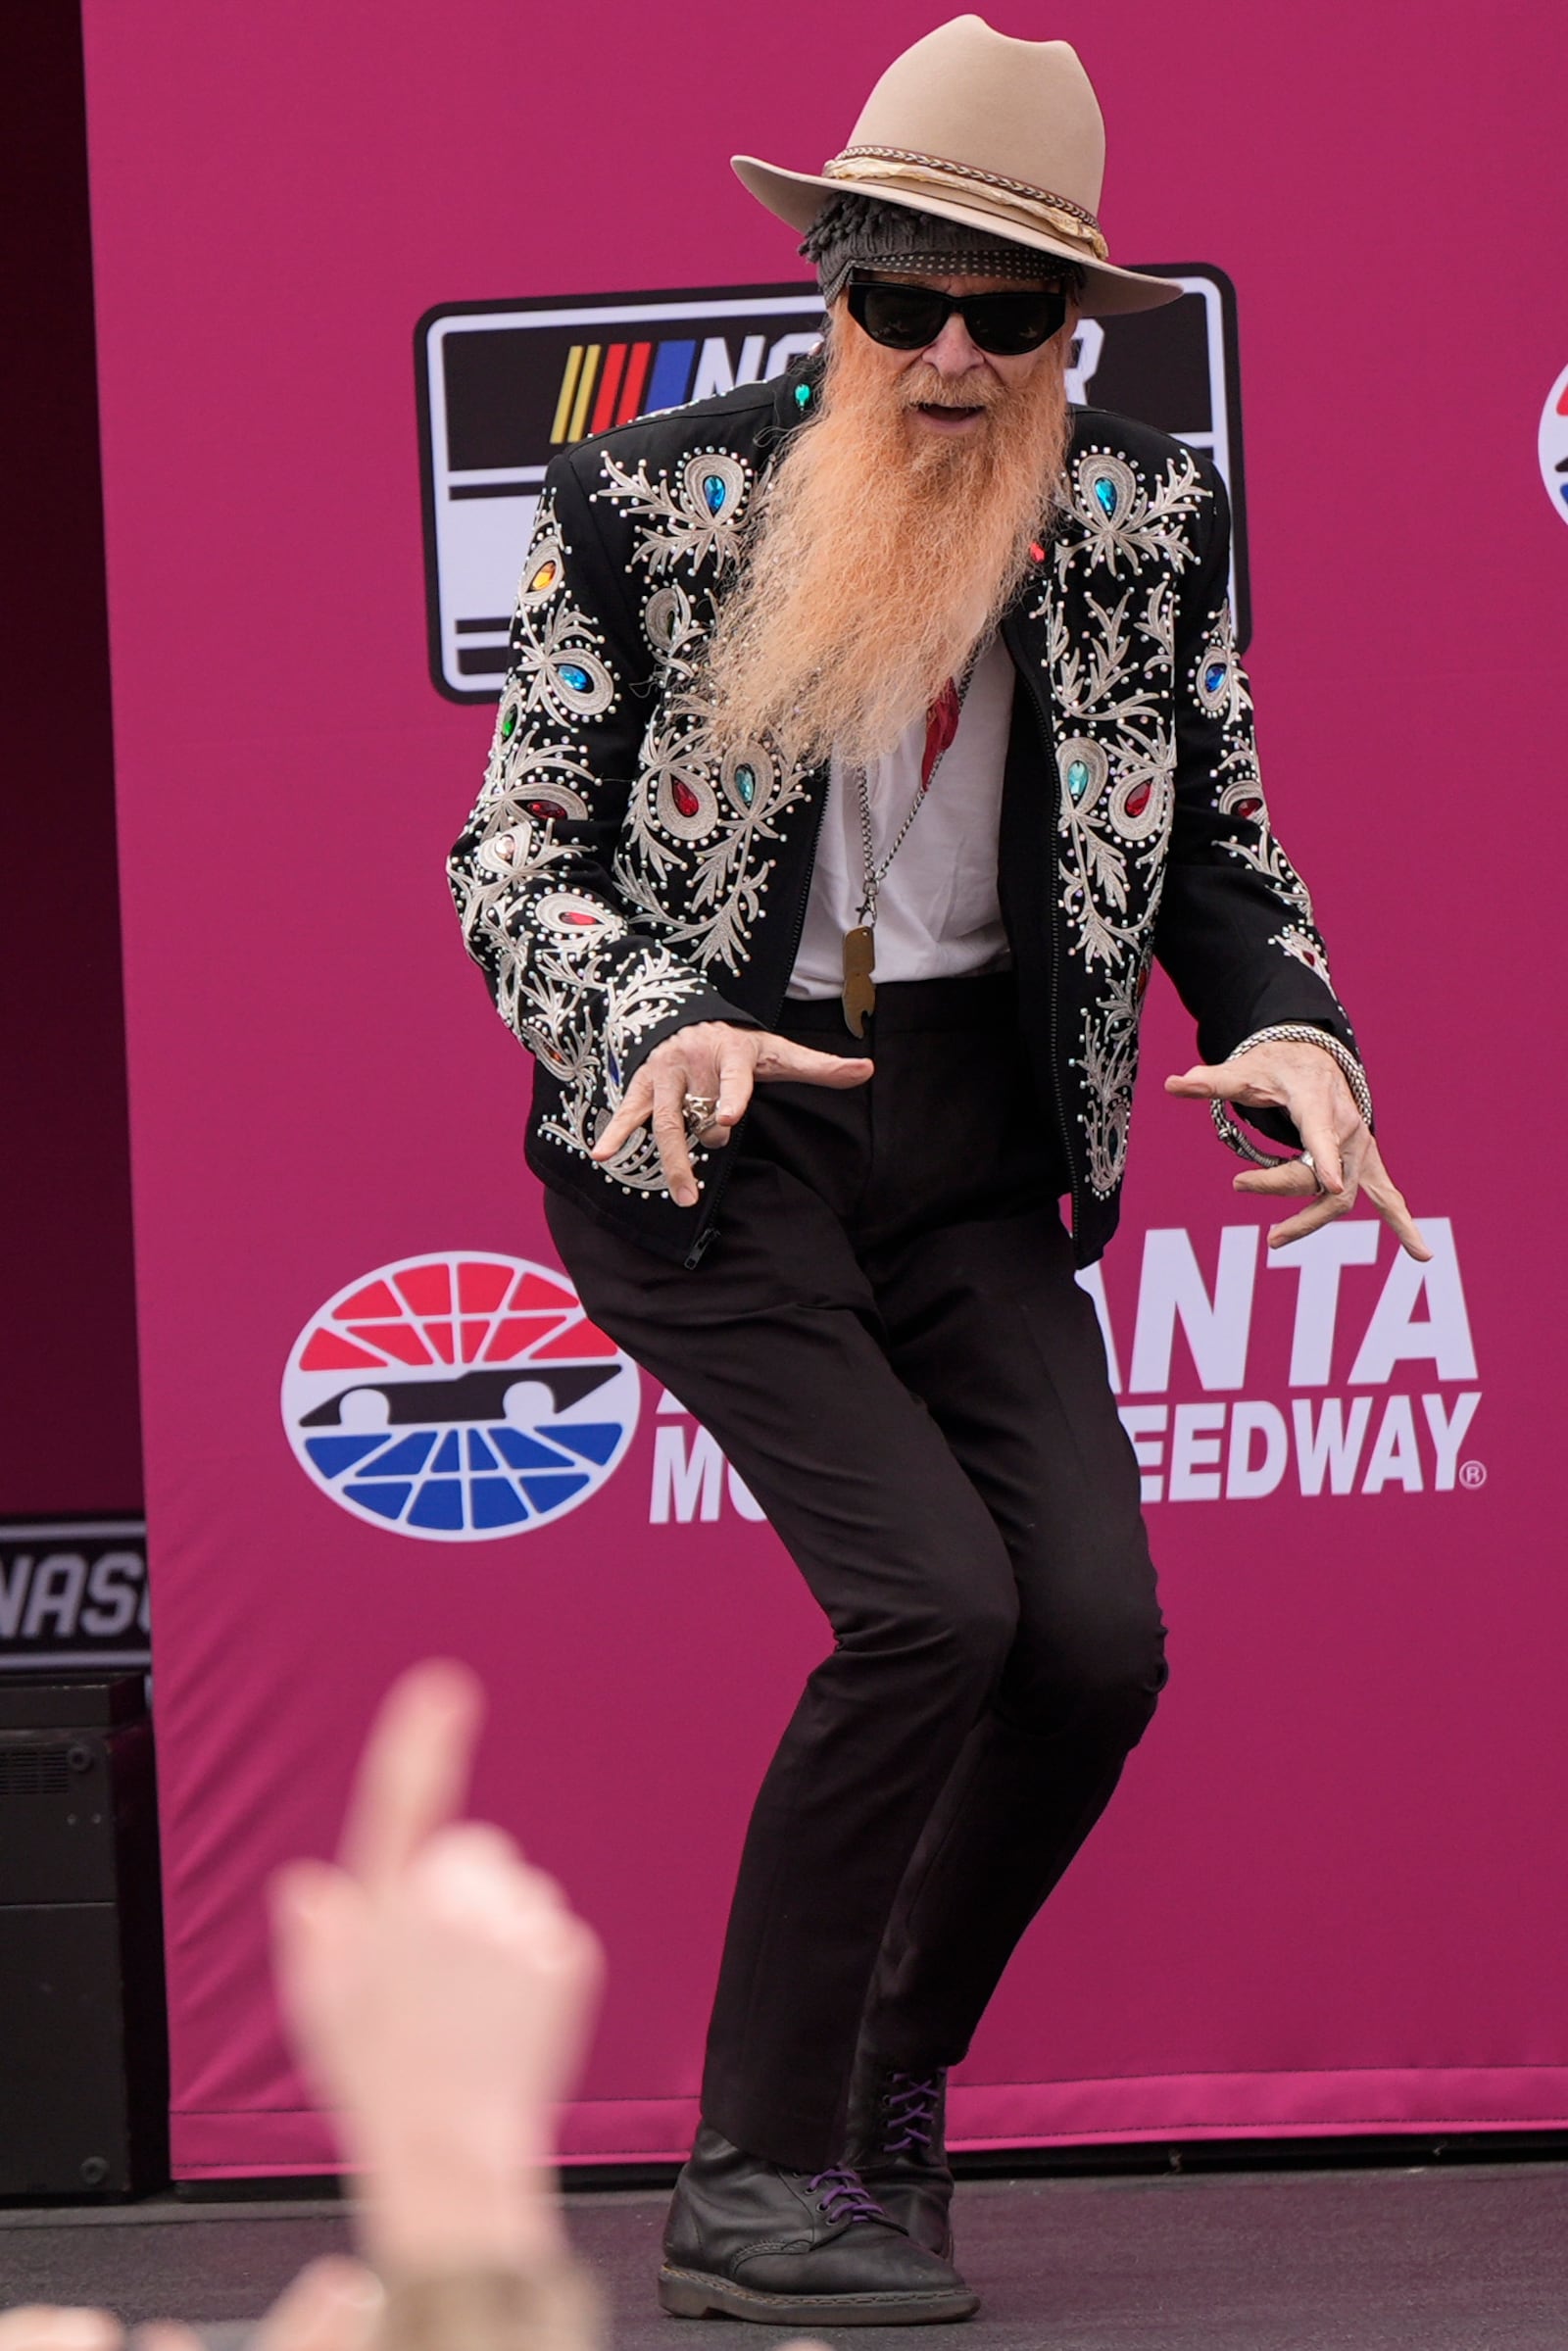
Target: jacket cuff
(1292,994)
(703,1003)
(1276,1123)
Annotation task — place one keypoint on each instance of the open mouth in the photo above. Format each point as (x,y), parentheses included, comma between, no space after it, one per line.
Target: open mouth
(945,412)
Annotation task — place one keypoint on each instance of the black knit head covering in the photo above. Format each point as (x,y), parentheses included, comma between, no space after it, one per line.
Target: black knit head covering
(860,232)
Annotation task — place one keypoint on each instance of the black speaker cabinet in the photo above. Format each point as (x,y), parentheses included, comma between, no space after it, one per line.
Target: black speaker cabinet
(83,2033)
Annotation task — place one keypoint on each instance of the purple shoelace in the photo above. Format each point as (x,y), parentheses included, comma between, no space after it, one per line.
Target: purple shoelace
(910,2107)
(844,2196)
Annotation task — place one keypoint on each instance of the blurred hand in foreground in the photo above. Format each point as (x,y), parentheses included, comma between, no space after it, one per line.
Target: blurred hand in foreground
(333,2305)
(437,1991)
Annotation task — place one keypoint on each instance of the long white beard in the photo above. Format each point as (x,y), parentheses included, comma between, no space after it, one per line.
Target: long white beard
(880,552)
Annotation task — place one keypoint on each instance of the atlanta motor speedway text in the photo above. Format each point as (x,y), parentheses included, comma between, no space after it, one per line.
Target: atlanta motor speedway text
(1394,1420)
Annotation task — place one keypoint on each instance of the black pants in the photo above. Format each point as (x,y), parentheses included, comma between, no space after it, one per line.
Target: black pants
(887,1341)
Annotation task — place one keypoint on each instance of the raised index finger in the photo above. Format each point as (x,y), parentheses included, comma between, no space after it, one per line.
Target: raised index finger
(412,1776)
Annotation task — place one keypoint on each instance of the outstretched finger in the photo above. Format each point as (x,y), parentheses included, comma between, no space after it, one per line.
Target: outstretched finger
(1323,1144)
(736,1063)
(1207,1082)
(413,1773)
(802,1064)
(632,1114)
(1388,1202)
(1321,1210)
(1291,1177)
(669,1134)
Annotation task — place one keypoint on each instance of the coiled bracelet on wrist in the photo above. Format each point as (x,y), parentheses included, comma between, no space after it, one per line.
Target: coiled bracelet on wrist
(1290,1032)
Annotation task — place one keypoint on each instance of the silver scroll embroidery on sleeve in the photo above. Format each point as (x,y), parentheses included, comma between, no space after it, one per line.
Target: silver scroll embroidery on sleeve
(567,977)
(1110,614)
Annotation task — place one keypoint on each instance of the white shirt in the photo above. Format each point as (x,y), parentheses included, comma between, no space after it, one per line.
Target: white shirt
(937,912)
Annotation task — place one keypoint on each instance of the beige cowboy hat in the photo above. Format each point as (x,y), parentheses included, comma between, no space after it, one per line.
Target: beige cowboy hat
(1000,135)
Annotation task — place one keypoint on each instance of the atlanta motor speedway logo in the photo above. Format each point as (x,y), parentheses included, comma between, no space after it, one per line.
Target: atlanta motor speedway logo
(458,1396)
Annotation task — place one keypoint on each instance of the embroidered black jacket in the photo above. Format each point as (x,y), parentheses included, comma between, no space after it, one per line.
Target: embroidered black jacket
(615,880)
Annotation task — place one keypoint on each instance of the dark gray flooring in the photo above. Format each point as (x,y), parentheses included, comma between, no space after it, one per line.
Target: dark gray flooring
(1452,2258)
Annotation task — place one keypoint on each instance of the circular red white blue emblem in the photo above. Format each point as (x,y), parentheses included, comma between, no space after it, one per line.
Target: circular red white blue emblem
(1553,445)
(458,1396)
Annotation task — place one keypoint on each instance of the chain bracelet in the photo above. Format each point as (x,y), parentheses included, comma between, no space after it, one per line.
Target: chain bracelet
(1290,1032)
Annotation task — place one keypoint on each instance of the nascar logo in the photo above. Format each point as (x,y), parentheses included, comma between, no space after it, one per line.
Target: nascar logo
(603,384)
(504,387)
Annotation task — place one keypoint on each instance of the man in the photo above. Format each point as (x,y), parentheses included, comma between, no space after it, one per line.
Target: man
(868,733)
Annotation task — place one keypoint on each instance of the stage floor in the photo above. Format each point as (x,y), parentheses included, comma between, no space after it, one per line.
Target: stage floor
(1449,2258)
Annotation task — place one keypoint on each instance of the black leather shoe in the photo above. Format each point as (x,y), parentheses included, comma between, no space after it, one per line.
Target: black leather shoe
(749,2239)
(896,2142)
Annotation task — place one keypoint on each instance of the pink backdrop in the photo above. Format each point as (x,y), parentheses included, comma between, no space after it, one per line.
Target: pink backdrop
(1330,1895)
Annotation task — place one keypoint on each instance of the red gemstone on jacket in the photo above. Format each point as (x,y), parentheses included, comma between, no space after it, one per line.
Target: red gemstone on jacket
(684,796)
(1138,799)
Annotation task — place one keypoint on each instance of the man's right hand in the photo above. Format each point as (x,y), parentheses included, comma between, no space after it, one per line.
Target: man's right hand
(721,1065)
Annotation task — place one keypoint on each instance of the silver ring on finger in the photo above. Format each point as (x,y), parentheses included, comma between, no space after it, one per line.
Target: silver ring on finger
(698,1112)
(1310,1163)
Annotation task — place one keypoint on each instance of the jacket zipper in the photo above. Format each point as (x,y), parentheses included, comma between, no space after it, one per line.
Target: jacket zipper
(1064,1131)
(708,1232)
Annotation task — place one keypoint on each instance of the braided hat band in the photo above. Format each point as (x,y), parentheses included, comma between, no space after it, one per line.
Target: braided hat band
(861,233)
(1001,137)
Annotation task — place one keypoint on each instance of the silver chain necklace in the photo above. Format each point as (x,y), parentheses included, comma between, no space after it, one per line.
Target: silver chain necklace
(858,996)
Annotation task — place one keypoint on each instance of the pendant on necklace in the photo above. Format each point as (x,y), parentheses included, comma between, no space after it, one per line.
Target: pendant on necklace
(860,959)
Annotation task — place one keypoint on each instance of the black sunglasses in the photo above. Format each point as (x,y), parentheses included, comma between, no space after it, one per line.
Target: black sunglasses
(909,317)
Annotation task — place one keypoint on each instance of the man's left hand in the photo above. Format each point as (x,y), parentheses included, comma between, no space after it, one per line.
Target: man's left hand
(1309,1086)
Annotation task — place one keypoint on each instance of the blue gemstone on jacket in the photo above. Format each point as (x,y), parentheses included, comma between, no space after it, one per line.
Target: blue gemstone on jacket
(1213,677)
(1105,493)
(746,784)
(716,490)
(577,679)
(1077,777)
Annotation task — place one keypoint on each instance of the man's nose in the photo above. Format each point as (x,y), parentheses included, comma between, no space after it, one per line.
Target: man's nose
(954,351)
